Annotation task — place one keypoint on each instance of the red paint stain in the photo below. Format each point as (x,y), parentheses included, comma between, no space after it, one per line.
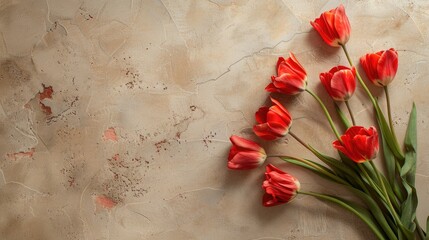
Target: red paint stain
(47,93)
(22,154)
(46,109)
(105,202)
(116,157)
(110,134)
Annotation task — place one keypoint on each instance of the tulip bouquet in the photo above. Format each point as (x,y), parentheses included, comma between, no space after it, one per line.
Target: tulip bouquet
(388,200)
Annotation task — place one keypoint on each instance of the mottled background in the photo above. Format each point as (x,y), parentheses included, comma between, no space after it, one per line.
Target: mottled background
(115,115)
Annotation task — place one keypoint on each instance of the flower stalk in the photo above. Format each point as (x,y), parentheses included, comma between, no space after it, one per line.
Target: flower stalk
(326,112)
(351,113)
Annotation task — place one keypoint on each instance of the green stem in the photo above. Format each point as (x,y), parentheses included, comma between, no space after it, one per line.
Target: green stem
(351,113)
(312,150)
(389,203)
(328,174)
(328,116)
(300,141)
(346,206)
(389,111)
(371,183)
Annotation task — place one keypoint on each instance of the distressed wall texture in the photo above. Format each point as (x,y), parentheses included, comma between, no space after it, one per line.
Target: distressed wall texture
(115,115)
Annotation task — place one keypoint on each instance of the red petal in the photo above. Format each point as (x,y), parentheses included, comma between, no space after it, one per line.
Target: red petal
(280,106)
(271,88)
(245,144)
(296,66)
(279,61)
(342,24)
(354,130)
(261,114)
(387,67)
(264,131)
(284,115)
(320,26)
(343,85)
(271,168)
(232,152)
(369,63)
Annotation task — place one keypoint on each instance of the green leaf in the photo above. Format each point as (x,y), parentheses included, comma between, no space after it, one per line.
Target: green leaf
(389,160)
(337,166)
(408,173)
(343,117)
(410,143)
(376,212)
(359,211)
(316,168)
(387,134)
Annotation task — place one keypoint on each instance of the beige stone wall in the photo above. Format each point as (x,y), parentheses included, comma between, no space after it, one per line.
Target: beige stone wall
(115,115)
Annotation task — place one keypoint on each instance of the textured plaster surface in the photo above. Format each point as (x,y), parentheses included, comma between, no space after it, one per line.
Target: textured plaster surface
(115,115)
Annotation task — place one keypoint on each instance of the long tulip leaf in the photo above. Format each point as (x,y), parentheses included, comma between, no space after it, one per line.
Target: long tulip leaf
(408,173)
(389,160)
(376,212)
(387,133)
(316,168)
(359,211)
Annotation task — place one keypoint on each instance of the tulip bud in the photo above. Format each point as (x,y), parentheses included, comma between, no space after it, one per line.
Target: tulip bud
(245,154)
(333,26)
(359,144)
(291,77)
(273,122)
(280,187)
(339,82)
(380,67)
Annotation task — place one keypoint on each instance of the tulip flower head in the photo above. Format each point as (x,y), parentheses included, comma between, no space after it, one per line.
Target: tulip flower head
(245,154)
(291,77)
(359,144)
(339,82)
(333,26)
(273,122)
(380,67)
(280,187)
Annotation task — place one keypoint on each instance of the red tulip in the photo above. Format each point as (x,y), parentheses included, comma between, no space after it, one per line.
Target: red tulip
(273,122)
(245,154)
(333,26)
(339,82)
(358,144)
(291,77)
(380,67)
(280,187)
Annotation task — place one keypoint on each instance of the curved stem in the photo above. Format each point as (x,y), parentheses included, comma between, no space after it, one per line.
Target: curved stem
(383,187)
(387,189)
(371,183)
(351,113)
(320,169)
(300,141)
(328,116)
(389,111)
(348,207)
